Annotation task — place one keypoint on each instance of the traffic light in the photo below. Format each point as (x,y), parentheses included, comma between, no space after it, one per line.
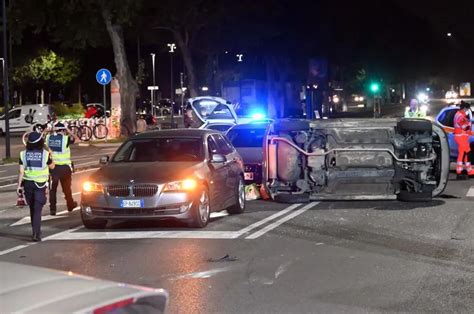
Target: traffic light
(374,87)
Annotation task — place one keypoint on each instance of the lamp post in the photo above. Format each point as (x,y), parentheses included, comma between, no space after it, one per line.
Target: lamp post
(172,48)
(153,89)
(5,83)
(239,60)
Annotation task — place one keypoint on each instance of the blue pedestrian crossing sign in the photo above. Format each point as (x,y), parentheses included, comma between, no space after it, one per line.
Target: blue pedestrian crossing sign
(103,76)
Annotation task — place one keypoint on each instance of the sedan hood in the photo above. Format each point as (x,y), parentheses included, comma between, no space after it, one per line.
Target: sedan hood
(146,172)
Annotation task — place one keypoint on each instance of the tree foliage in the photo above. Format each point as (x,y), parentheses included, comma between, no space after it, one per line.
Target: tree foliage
(48,67)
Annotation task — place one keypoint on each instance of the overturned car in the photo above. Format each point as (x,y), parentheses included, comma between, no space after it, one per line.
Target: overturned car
(355,159)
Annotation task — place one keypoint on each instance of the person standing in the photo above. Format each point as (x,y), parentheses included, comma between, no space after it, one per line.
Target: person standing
(414,111)
(60,145)
(141,124)
(462,130)
(35,163)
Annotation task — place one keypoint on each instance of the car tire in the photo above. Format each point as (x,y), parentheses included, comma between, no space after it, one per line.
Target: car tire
(239,207)
(93,223)
(405,196)
(200,210)
(414,126)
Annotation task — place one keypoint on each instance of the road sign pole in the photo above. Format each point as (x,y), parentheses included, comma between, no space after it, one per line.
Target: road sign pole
(105,114)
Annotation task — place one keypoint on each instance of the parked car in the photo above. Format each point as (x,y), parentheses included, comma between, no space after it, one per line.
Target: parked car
(355,159)
(213,113)
(182,174)
(23,118)
(445,119)
(29,289)
(248,140)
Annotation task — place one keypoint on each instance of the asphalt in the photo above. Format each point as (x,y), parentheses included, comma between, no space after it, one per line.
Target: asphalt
(327,257)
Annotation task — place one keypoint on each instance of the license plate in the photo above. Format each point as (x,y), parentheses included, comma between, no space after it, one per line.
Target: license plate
(132,204)
(248,175)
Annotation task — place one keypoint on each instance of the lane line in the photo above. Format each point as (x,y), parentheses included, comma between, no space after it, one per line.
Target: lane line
(77,172)
(277,223)
(470,193)
(16,248)
(120,235)
(8,185)
(265,220)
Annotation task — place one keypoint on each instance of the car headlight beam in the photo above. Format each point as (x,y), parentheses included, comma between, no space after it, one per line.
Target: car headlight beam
(89,186)
(182,185)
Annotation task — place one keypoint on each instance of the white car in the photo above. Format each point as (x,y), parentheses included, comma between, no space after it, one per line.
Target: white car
(213,113)
(29,289)
(23,118)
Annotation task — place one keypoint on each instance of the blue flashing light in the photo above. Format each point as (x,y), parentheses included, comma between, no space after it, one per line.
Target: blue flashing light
(258,116)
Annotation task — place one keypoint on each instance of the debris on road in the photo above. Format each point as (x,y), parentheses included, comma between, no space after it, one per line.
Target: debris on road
(225,258)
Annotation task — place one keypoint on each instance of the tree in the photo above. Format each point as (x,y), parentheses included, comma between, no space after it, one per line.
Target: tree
(78,24)
(47,67)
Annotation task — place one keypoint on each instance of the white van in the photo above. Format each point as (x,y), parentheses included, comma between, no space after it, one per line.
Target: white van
(23,118)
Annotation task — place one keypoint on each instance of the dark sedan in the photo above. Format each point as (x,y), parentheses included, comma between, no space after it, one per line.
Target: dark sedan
(182,174)
(248,140)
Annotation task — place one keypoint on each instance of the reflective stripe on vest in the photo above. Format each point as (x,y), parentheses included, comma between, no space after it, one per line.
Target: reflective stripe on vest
(35,163)
(459,124)
(58,145)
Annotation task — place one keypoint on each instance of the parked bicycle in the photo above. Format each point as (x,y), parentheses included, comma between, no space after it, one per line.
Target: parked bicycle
(100,130)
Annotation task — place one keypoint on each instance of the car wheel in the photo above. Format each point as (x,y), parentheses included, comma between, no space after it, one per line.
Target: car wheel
(414,126)
(406,196)
(201,210)
(239,207)
(93,223)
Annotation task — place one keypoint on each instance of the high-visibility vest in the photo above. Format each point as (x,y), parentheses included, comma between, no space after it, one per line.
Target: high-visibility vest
(61,152)
(461,123)
(414,114)
(35,163)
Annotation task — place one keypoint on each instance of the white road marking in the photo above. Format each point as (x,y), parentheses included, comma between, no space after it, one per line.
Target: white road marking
(265,220)
(87,170)
(8,185)
(470,193)
(9,177)
(203,274)
(281,221)
(119,235)
(27,220)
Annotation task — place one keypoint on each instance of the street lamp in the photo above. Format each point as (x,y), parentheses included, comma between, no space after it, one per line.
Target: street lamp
(172,48)
(239,60)
(449,34)
(153,89)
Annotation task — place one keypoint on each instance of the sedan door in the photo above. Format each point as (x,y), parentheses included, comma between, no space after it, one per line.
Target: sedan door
(233,165)
(219,172)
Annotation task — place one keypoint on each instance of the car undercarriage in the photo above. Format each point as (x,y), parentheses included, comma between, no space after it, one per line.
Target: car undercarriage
(355,159)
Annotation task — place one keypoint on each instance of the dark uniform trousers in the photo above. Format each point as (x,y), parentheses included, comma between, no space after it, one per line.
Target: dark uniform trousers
(63,174)
(36,198)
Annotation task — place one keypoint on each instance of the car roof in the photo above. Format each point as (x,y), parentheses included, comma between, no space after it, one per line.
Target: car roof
(176,133)
(252,125)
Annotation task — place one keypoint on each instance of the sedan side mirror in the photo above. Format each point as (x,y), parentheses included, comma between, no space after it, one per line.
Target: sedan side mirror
(104,160)
(218,158)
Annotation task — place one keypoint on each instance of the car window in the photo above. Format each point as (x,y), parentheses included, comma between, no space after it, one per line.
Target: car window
(246,137)
(447,117)
(160,149)
(223,147)
(13,114)
(212,146)
(210,109)
(219,127)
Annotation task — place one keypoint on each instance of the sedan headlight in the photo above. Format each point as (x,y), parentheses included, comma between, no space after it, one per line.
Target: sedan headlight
(182,185)
(92,187)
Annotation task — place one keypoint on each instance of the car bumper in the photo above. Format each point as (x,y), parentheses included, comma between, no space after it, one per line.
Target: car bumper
(168,205)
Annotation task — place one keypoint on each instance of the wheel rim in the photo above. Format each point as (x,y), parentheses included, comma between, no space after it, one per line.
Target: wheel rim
(204,207)
(241,194)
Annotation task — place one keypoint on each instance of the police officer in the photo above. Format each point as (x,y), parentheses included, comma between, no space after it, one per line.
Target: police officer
(34,174)
(413,111)
(59,143)
(462,130)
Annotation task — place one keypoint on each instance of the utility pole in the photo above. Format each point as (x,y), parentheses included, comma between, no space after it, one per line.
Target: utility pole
(172,47)
(5,83)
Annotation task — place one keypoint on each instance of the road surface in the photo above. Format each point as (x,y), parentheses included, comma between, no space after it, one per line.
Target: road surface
(356,257)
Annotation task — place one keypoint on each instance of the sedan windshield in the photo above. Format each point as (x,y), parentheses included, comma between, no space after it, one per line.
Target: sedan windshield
(209,109)
(160,149)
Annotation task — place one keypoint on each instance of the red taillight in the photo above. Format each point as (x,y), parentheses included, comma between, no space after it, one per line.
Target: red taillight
(114,306)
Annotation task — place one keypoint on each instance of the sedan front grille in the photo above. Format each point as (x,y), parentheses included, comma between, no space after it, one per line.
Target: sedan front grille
(144,190)
(118,190)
